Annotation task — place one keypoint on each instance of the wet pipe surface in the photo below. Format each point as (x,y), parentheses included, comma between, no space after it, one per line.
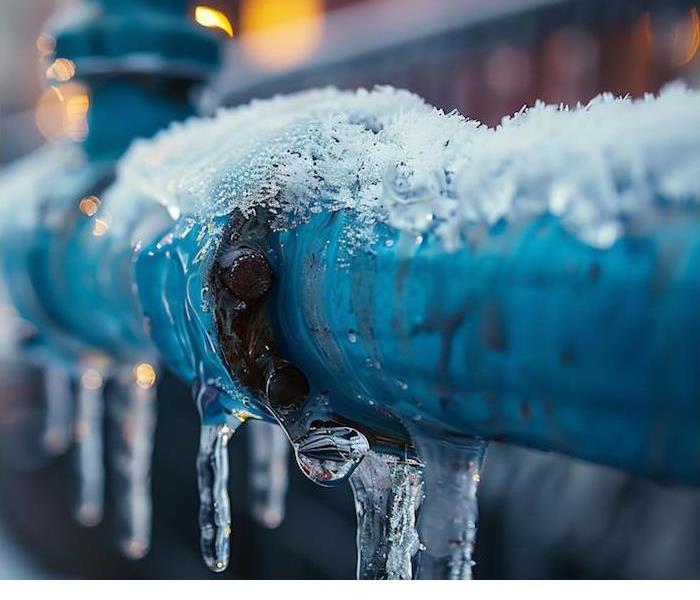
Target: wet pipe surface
(385,364)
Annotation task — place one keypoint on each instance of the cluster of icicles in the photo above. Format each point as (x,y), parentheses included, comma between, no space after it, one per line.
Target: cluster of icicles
(390,491)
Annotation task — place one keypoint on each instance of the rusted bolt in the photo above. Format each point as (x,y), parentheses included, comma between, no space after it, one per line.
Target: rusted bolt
(246,273)
(286,387)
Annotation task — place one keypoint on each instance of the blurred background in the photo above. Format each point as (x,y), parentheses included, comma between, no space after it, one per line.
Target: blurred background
(541,515)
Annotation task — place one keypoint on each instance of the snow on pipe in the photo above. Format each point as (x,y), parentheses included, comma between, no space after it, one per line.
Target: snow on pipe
(394,286)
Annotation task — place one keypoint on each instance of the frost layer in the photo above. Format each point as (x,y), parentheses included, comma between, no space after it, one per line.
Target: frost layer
(391,158)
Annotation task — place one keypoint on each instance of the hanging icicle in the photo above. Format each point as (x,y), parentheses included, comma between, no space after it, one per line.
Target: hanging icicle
(268,467)
(88,432)
(58,427)
(449,515)
(388,492)
(132,411)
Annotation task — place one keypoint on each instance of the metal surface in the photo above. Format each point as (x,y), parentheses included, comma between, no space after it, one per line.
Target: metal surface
(70,280)
(529,337)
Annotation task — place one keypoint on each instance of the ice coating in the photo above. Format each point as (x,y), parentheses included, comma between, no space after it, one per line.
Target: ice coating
(392,158)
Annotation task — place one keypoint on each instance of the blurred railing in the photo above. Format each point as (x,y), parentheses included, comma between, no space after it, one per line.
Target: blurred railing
(485,59)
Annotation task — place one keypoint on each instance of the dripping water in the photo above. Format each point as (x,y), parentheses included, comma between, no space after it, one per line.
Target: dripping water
(132,412)
(268,472)
(58,427)
(449,515)
(328,453)
(387,491)
(88,432)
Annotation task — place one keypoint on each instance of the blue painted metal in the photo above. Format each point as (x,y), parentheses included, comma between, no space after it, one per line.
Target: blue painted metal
(144,36)
(529,336)
(172,276)
(140,61)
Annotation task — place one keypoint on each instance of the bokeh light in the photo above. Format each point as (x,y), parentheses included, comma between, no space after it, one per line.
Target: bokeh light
(278,34)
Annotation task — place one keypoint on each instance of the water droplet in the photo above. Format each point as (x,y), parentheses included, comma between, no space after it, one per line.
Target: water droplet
(329,453)
(371,363)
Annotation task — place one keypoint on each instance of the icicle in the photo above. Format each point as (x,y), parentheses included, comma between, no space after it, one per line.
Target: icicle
(448,518)
(387,491)
(132,410)
(268,464)
(89,437)
(214,507)
(58,428)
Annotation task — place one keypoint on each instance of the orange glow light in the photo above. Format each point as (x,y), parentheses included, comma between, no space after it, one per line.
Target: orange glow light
(279,34)
(693,37)
(645,24)
(100,227)
(61,69)
(91,379)
(89,205)
(144,375)
(45,44)
(76,116)
(213,19)
(61,112)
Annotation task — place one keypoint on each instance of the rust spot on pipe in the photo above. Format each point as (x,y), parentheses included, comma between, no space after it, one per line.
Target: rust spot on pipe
(567,356)
(525,411)
(493,331)
(594,272)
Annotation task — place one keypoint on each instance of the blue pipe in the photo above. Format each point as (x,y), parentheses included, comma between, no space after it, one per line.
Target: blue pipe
(531,336)
(73,283)
(528,334)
